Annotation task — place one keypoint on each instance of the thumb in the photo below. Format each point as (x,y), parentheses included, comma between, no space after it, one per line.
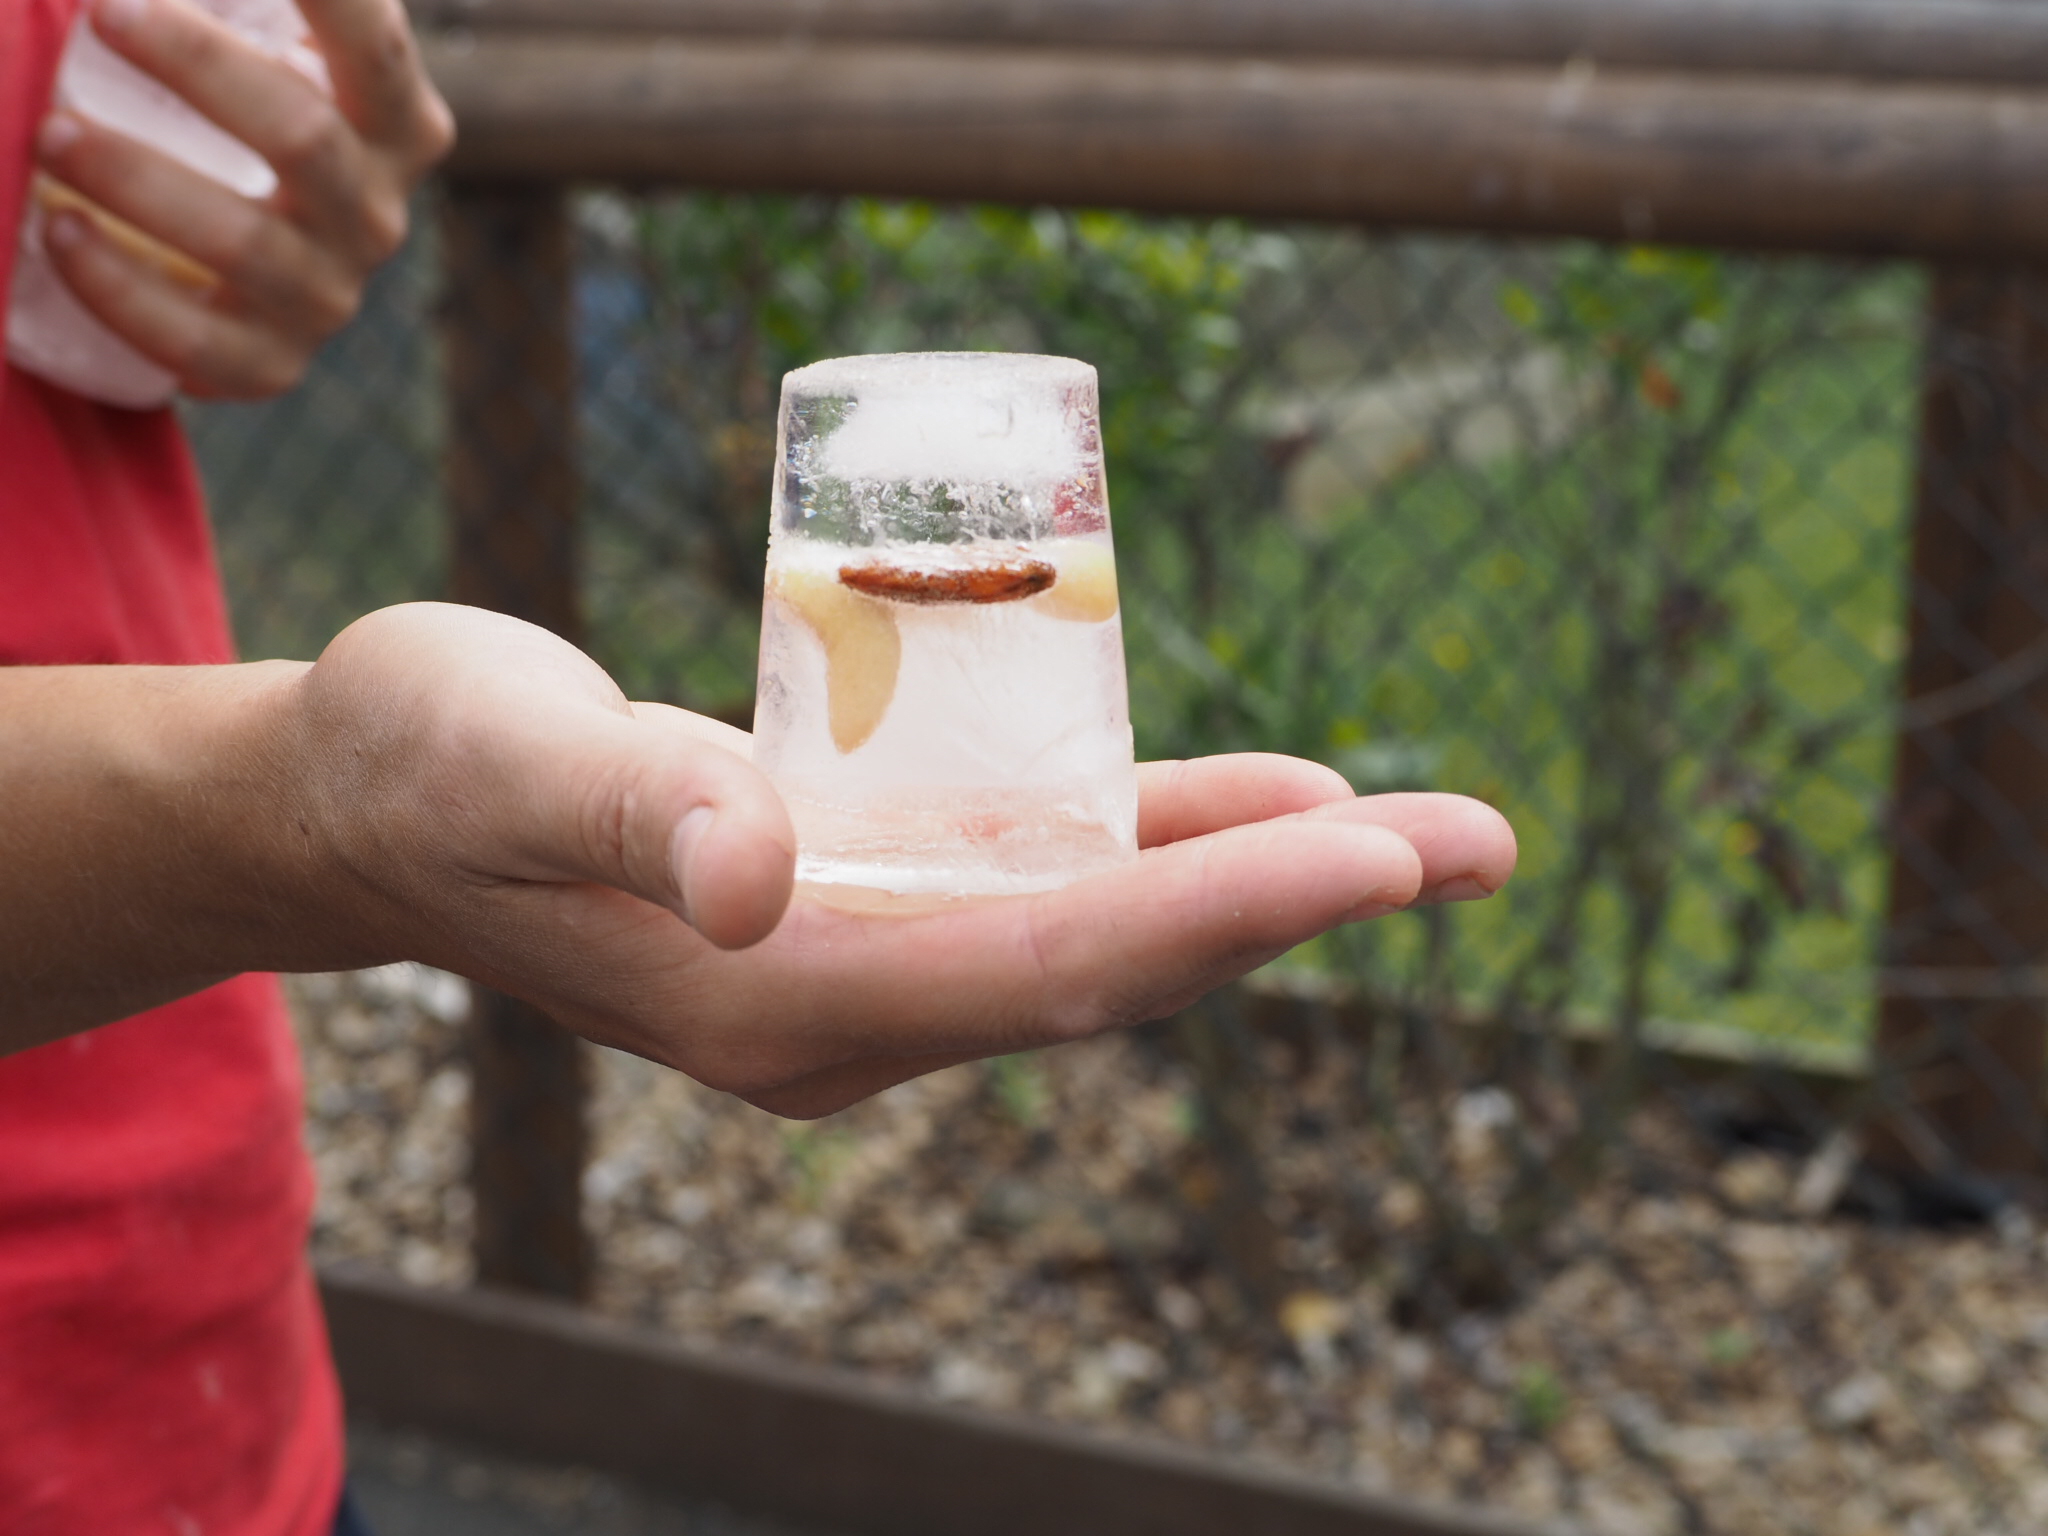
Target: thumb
(646,804)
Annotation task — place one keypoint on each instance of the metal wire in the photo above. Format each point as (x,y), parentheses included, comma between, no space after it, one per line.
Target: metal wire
(1717,573)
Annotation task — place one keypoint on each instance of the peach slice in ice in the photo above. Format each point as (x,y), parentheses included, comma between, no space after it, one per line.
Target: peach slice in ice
(863,652)
(1086,590)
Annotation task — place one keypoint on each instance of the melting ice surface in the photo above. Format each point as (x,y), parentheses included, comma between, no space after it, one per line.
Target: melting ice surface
(985,426)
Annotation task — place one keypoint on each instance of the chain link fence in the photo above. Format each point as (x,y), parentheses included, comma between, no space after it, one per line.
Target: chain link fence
(1690,1184)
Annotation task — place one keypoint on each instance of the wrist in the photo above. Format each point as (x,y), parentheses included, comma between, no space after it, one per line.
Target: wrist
(152,831)
(233,854)
(272,884)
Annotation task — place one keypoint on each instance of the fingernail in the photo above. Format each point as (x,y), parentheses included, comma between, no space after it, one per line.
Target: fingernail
(66,231)
(1463,888)
(119,15)
(59,132)
(690,834)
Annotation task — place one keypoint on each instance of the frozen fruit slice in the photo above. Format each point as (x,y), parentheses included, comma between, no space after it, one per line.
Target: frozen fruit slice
(1004,580)
(1086,590)
(863,652)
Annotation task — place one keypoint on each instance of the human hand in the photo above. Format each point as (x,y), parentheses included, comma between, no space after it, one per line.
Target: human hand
(474,793)
(253,288)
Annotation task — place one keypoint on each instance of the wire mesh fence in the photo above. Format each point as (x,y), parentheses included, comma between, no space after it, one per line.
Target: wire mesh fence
(1689,1184)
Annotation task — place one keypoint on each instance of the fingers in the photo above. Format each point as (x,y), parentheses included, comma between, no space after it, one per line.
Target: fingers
(1180,800)
(326,176)
(1148,940)
(640,805)
(1467,847)
(270,265)
(1141,942)
(52,197)
(647,807)
(740,879)
(735,853)
(292,266)
(167,319)
(998,976)
(228,78)
(378,78)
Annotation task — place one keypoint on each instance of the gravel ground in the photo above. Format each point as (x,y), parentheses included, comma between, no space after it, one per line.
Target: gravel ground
(1029,1235)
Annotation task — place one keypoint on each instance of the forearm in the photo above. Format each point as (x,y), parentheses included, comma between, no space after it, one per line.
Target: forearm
(151,840)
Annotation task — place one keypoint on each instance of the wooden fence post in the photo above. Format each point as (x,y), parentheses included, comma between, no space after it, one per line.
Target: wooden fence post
(507,318)
(1963,1027)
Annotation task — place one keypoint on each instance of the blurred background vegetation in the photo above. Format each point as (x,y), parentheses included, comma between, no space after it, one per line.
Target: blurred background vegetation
(1610,538)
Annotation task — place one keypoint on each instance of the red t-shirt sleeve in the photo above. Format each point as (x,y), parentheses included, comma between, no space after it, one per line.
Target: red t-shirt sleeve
(163,1365)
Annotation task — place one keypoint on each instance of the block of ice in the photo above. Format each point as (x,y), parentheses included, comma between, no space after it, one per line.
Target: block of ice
(942,702)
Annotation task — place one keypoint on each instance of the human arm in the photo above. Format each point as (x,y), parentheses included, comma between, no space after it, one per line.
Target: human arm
(291,267)
(455,787)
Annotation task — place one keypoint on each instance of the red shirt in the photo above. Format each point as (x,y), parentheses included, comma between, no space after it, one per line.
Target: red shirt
(163,1365)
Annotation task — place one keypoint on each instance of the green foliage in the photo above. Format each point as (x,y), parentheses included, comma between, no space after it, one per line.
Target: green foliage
(1539,1399)
(817,1156)
(745,289)
(1729,1346)
(1649,636)
(1022,1089)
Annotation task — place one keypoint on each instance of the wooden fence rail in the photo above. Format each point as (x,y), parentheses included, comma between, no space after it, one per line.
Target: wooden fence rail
(1735,161)
(803,1443)
(1986,41)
